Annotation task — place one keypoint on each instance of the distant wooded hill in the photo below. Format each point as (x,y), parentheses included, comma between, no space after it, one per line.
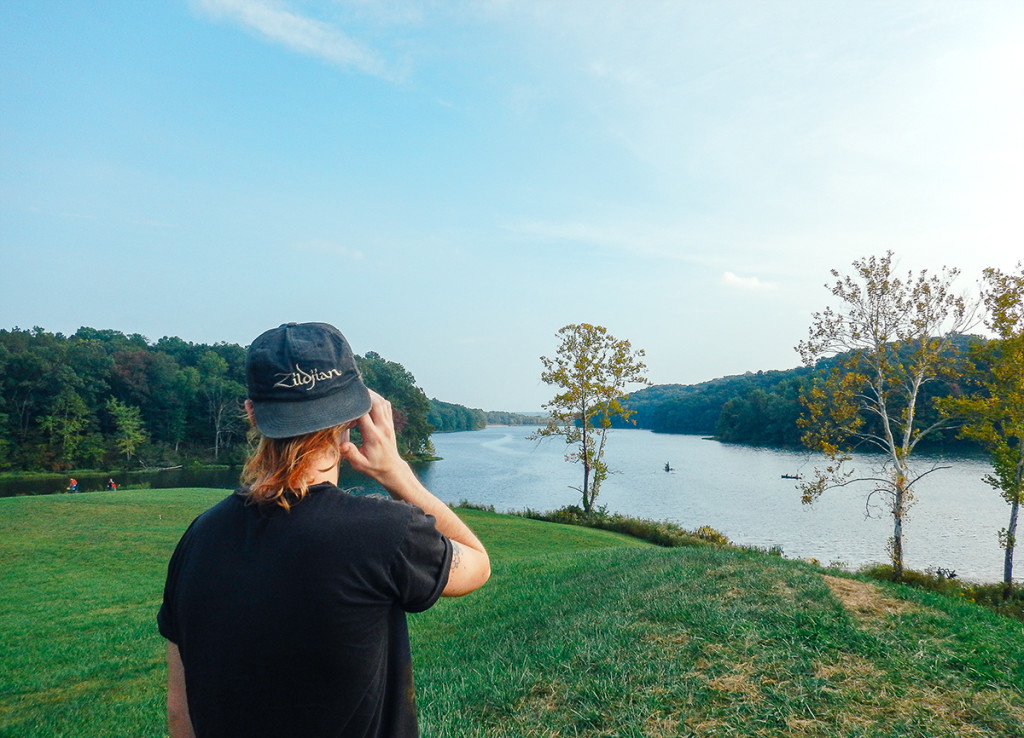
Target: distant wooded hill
(758,408)
(497,417)
(762,408)
(447,417)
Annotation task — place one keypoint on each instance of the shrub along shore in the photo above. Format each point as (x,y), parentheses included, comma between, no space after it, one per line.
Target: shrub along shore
(581,631)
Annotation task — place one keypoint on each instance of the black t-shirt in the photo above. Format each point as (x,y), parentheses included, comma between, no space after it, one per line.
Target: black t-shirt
(292,623)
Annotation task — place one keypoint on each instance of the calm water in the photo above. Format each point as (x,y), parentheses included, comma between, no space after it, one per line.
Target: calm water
(737,490)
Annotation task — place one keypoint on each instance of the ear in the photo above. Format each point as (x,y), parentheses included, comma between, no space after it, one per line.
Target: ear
(248,411)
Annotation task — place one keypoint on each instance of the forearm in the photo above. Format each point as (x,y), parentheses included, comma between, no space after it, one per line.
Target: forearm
(179,724)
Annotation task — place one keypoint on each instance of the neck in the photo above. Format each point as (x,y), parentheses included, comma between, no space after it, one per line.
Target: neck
(325,469)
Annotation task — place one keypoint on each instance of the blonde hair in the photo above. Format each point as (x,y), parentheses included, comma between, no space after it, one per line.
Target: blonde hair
(278,471)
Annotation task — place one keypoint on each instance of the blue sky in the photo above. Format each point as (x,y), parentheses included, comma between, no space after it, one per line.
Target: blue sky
(450,183)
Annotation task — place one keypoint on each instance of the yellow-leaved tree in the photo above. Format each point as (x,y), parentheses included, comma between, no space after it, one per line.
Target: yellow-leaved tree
(994,413)
(591,371)
(891,336)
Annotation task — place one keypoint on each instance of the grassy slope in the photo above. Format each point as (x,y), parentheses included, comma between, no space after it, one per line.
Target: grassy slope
(579,632)
(81,582)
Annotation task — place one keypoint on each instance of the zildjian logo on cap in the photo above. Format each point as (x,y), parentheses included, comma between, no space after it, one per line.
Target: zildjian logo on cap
(302,378)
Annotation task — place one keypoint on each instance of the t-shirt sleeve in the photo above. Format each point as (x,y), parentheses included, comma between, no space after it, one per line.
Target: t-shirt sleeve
(166,619)
(422,563)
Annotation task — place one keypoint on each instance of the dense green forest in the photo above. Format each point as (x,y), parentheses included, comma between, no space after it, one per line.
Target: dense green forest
(100,399)
(446,417)
(502,417)
(762,408)
(758,408)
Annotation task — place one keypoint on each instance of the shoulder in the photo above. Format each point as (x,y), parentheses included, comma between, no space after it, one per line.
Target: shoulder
(403,517)
(371,506)
(327,512)
(390,524)
(232,507)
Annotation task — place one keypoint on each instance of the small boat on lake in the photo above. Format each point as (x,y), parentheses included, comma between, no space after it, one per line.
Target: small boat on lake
(791,476)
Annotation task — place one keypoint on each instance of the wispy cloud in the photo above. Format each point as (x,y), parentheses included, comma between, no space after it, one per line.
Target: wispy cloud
(662,242)
(279,24)
(729,279)
(329,248)
(93,217)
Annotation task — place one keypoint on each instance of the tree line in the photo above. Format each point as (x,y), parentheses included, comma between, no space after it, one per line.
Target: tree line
(762,408)
(447,417)
(100,398)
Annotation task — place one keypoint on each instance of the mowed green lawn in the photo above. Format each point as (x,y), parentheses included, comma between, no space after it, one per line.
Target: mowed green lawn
(579,633)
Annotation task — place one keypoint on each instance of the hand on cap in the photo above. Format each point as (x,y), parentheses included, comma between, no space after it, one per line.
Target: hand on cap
(378,456)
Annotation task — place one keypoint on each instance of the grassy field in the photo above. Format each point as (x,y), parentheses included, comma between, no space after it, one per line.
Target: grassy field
(579,633)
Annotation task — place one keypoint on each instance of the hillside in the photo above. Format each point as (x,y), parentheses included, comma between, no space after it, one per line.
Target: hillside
(696,408)
(579,632)
(705,641)
(762,408)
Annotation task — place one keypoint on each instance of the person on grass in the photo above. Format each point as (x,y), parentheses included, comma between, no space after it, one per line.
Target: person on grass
(284,606)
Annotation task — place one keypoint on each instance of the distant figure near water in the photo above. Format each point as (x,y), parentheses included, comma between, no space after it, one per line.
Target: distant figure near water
(111,485)
(668,467)
(73,485)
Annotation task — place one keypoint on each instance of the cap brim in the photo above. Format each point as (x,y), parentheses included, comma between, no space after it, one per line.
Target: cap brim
(280,419)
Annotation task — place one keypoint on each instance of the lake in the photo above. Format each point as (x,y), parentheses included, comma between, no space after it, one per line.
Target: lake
(739,491)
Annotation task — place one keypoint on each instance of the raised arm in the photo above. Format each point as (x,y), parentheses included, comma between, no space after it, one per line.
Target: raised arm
(378,458)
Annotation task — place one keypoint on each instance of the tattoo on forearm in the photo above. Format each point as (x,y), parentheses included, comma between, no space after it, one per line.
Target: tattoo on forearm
(456,556)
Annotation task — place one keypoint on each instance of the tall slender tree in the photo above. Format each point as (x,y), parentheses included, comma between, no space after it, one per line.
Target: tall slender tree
(592,370)
(65,426)
(131,431)
(994,414)
(893,336)
(224,399)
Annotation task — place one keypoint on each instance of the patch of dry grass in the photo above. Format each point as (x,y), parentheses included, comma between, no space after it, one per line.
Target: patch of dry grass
(863,599)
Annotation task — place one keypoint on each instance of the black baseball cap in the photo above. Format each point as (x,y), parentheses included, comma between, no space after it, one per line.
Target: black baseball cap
(301,378)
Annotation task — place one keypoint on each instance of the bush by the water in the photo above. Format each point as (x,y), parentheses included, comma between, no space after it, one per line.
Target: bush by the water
(658,532)
(998,597)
